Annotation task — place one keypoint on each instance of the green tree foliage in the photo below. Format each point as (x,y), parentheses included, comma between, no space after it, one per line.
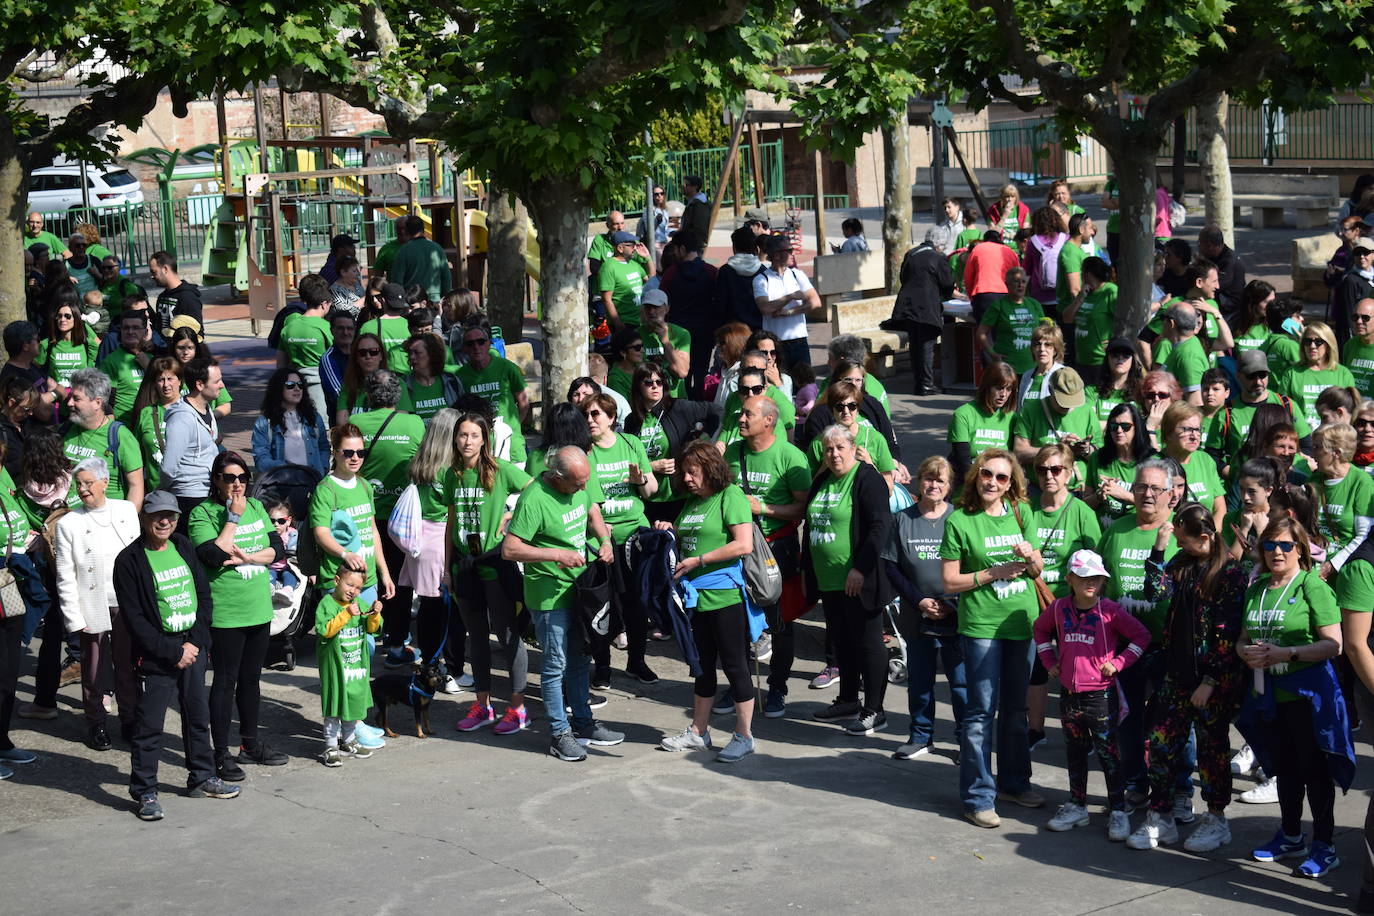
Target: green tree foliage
(704,128)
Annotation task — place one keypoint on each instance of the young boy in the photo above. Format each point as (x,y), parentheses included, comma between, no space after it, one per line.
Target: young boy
(283,579)
(1216,391)
(345,688)
(1088,628)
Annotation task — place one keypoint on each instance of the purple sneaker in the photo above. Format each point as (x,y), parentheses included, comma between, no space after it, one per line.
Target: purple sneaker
(478,716)
(829,677)
(515,719)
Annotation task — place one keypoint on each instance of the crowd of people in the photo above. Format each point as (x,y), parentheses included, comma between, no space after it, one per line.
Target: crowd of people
(1173,523)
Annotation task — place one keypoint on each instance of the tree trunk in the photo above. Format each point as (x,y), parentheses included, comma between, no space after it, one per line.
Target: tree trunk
(13,202)
(896,198)
(1134,165)
(1216,164)
(506,227)
(561,213)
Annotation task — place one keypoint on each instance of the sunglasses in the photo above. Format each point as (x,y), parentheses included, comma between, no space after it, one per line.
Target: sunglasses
(847,406)
(771,354)
(65,316)
(638,346)
(1050,470)
(1313,342)
(1362,318)
(1363,424)
(281,521)
(226,477)
(991,475)
(359,453)
(1157,395)
(476,342)
(1281,546)
(1120,427)
(754,389)
(291,386)
(652,383)
(369,351)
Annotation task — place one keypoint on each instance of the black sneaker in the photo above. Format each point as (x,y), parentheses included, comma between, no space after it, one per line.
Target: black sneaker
(1035,737)
(97,739)
(214,787)
(836,711)
(148,808)
(867,723)
(642,673)
(227,767)
(594,701)
(598,735)
(566,747)
(262,755)
(601,678)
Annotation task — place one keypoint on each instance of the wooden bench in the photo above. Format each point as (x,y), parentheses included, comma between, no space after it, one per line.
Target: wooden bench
(990,182)
(1268,195)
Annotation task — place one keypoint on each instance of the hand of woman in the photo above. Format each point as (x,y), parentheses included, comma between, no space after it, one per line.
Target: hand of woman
(1256,655)
(1115,490)
(663,526)
(1327,571)
(635,475)
(1023,550)
(388,589)
(862,454)
(353,561)
(1162,536)
(900,474)
(853,583)
(238,504)
(929,607)
(686,565)
(1155,415)
(1201,696)
(1107,669)
(664,467)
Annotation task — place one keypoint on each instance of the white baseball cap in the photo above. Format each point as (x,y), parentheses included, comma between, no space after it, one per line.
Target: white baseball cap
(1086,563)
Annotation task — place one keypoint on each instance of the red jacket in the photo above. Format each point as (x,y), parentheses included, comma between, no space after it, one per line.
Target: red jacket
(985,270)
(1087,639)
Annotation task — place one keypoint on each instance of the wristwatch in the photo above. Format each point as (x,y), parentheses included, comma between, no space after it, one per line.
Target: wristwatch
(233,517)
(1293,654)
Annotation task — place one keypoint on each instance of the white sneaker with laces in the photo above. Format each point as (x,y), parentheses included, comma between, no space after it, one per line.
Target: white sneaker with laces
(1068,816)
(1243,763)
(1118,826)
(1212,832)
(1266,793)
(1158,830)
(687,740)
(1183,809)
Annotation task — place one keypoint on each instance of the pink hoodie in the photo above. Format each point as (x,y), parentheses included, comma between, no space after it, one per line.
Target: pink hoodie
(1087,639)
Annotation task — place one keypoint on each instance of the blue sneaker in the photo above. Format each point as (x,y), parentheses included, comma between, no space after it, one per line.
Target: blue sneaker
(1322,859)
(775,704)
(367,736)
(1281,847)
(17,755)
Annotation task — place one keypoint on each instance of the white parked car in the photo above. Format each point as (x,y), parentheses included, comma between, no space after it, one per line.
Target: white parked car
(57,189)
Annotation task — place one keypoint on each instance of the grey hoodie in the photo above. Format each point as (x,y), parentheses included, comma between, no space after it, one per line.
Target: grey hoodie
(746,265)
(191,449)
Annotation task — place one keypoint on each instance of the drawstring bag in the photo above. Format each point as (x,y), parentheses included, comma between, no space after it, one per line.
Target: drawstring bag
(405,522)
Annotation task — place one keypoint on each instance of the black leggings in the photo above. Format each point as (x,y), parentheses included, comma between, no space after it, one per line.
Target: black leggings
(723,634)
(631,616)
(436,618)
(1301,769)
(492,611)
(236,654)
(11,632)
(396,609)
(859,649)
(784,649)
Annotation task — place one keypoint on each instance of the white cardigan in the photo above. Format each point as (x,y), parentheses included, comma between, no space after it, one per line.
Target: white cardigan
(85,552)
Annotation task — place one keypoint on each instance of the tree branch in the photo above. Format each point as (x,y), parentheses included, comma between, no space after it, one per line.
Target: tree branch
(1251,56)
(127,100)
(821,13)
(56,70)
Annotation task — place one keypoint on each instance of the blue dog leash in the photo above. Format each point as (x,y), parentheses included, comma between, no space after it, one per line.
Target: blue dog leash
(415,687)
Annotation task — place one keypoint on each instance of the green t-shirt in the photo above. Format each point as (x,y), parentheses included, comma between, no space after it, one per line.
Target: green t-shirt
(622,509)
(1104,404)
(345,691)
(393,330)
(1252,338)
(1092,326)
(13,520)
(1284,352)
(1355,587)
(734,404)
(1187,362)
(1358,357)
(387,467)
(620,381)
(1072,254)
(1123,471)
(424,263)
(1289,616)
(1033,424)
(704,525)
(56,247)
(1070,528)
(477,511)
(655,442)
(423,400)
(61,358)
(150,429)
(79,444)
(1011,324)
(601,248)
(548,519)
(175,587)
(625,280)
(114,294)
(1002,609)
(386,255)
(775,474)
(242,594)
(1304,386)
(356,502)
(1204,479)
(1343,501)
(126,375)
(681,341)
(499,383)
(1124,550)
(1228,431)
(829,517)
(304,338)
(969,423)
(867,437)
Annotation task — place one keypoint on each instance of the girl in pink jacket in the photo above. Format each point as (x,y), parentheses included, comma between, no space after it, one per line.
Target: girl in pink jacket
(1096,639)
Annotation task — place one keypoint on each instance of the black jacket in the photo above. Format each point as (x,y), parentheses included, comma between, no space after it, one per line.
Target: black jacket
(868,532)
(871,410)
(682,422)
(153,648)
(926,283)
(696,218)
(1231,281)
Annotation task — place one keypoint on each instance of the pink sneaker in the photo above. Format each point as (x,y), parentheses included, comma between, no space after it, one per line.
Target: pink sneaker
(478,716)
(513,721)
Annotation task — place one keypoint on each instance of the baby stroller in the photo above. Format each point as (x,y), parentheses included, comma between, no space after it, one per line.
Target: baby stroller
(293,484)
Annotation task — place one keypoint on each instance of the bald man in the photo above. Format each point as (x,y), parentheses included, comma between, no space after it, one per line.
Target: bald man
(34,232)
(602,247)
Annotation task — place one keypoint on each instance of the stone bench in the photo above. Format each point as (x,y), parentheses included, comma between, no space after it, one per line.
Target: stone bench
(1309,256)
(990,182)
(848,273)
(861,318)
(1268,196)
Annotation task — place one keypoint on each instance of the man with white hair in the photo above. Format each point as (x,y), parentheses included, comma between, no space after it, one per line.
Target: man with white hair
(91,433)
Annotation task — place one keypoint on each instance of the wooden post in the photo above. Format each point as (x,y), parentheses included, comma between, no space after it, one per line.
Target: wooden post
(260,126)
(413,196)
(820,206)
(326,125)
(285,116)
(460,231)
(968,176)
(731,155)
(226,171)
(739,191)
(755,154)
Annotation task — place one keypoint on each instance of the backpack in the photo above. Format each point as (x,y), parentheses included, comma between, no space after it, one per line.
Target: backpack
(1046,273)
(762,576)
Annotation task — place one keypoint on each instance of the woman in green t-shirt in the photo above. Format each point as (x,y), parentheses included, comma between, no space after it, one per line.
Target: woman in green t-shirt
(477,489)
(1111,469)
(342,506)
(236,542)
(1292,623)
(68,344)
(366,356)
(714,531)
(847,522)
(1347,494)
(159,390)
(1252,319)
(1118,379)
(627,352)
(988,558)
(1319,368)
(427,388)
(984,422)
(1181,432)
(844,400)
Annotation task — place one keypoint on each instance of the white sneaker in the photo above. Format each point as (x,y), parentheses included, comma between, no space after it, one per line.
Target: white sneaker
(1183,809)
(1212,831)
(1266,793)
(1118,826)
(1243,763)
(466,681)
(451,686)
(1068,817)
(1156,831)
(687,740)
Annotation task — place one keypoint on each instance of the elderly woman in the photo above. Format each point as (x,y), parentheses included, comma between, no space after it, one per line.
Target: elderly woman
(1348,496)
(1364,437)
(847,522)
(844,400)
(987,558)
(85,543)
(290,430)
(928,620)
(1292,628)
(236,542)
(1156,392)
(1047,357)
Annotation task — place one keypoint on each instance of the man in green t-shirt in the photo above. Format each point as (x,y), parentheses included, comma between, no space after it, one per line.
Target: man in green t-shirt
(1063,415)
(34,234)
(114,288)
(88,435)
(392,327)
(621,279)
(496,379)
(666,344)
(600,249)
(305,336)
(1228,430)
(1187,358)
(554,523)
(1071,256)
(421,262)
(1358,353)
(124,366)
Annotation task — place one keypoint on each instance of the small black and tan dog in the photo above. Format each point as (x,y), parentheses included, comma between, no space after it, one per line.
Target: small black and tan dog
(415,690)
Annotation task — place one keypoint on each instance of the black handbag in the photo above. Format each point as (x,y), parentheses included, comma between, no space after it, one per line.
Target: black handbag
(592,605)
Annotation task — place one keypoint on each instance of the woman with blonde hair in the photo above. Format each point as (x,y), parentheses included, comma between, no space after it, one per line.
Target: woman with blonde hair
(1047,356)
(1347,495)
(1318,368)
(1009,214)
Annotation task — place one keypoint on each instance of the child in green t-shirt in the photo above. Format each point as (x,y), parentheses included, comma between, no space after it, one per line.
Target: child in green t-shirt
(345,688)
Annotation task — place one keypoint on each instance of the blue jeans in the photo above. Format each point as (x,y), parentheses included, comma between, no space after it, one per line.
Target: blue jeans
(998,673)
(563,668)
(921,653)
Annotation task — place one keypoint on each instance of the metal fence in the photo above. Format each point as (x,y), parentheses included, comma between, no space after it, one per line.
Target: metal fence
(1030,150)
(710,165)
(134,231)
(1342,132)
